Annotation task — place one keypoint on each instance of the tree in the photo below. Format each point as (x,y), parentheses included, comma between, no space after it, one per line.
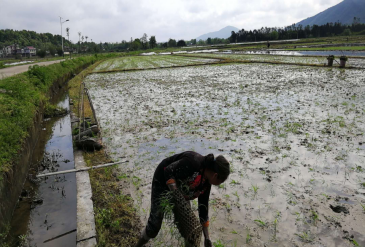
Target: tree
(274,35)
(209,41)
(136,45)
(52,50)
(144,41)
(233,37)
(193,42)
(181,43)
(59,51)
(201,42)
(356,21)
(41,53)
(171,43)
(153,42)
(347,32)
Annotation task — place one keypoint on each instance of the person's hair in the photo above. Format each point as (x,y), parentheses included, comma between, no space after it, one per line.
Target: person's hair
(219,165)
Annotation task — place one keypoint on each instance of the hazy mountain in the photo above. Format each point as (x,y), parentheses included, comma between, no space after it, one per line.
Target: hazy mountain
(343,12)
(222,34)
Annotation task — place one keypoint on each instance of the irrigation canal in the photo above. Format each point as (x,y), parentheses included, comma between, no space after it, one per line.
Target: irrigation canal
(46,212)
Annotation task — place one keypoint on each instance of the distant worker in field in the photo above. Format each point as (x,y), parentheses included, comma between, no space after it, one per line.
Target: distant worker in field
(268,45)
(193,175)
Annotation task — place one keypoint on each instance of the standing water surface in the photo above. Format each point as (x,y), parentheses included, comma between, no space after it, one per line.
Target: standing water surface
(46,212)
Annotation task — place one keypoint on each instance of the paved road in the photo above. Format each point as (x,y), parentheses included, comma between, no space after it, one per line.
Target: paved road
(6,72)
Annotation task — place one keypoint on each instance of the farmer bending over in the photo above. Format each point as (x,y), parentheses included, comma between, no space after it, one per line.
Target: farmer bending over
(195,174)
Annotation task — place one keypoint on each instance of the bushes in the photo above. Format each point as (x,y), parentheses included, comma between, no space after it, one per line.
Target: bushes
(346,32)
(20,98)
(41,53)
(52,50)
(2,65)
(59,51)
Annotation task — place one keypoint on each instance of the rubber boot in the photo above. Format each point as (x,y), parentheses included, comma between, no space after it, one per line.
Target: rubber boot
(143,239)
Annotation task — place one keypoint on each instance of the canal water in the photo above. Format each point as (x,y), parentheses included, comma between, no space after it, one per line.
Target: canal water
(46,212)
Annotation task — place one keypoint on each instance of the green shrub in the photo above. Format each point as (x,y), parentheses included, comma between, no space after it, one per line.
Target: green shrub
(346,32)
(20,98)
(41,53)
(52,50)
(59,51)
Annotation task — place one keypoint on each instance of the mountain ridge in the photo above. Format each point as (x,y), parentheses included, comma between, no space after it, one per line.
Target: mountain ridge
(343,12)
(222,33)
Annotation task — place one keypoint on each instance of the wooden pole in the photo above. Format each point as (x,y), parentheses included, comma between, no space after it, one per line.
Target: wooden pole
(91,105)
(81,105)
(80,170)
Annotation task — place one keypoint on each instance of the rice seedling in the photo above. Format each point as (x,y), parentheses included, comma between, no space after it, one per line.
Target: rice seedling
(314,217)
(306,237)
(248,237)
(260,223)
(237,195)
(218,243)
(275,224)
(234,182)
(255,189)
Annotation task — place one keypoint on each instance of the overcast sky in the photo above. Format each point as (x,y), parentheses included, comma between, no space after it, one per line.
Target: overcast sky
(117,20)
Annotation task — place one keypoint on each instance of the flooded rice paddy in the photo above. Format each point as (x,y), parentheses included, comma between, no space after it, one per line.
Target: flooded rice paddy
(148,62)
(309,53)
(294,136)
(354,62)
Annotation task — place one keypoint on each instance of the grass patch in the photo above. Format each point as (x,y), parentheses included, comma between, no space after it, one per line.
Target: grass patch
(117,222)
(53,110)
(20,97)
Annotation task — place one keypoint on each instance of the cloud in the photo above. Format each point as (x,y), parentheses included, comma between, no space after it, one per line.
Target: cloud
(117,20)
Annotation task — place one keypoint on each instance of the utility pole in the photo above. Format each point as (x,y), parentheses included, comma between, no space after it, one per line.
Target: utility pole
(79,40)
(63,54)
(68,38)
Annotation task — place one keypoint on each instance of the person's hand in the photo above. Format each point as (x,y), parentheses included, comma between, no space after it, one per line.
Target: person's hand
(207,243)
(171,183)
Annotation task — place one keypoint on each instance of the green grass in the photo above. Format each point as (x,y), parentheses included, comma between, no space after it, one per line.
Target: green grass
(116,219)
(21,96)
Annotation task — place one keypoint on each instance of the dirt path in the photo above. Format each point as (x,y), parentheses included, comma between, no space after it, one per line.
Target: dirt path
(22,68)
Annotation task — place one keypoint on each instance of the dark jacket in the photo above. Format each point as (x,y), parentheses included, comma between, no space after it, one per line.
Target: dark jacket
(187,170)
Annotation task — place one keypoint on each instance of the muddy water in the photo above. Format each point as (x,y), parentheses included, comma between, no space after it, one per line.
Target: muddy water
(308,53)
(353,62)
(46,212)
(294,137)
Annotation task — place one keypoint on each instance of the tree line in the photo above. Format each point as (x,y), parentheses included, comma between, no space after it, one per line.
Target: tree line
(298,32)
(46,41)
